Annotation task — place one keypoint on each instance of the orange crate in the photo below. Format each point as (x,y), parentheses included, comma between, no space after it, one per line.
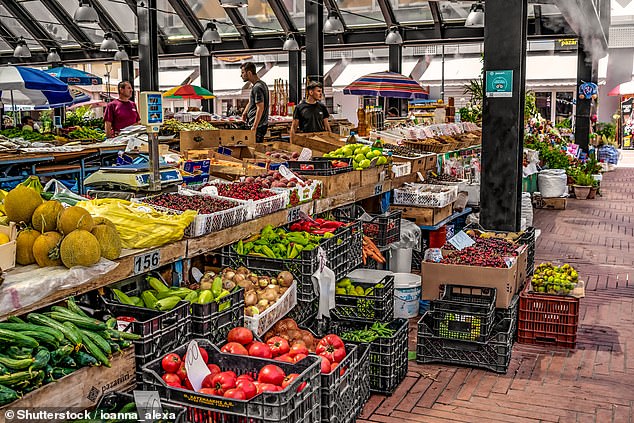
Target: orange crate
(548,319)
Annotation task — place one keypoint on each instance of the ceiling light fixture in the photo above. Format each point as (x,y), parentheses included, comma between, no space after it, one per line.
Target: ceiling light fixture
(108,43)
(85,13)
(53,56)
(290,44)
(333,25)
(233,3)
(476,16)
(121,55)
(211,34)
(393,37)
(201,50)
(21,50)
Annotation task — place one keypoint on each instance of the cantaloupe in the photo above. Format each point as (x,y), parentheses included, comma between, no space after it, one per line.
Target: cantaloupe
(79,248)
(46,249)
(103,221)
(74,218)
(109,241)
(24,246)
(46,215)
(20,203)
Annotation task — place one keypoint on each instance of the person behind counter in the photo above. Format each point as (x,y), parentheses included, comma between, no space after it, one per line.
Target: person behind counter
(311,115)
(256,113)
(122,112)
(392,112)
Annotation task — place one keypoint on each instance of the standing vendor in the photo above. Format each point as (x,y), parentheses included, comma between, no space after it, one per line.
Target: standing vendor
(311,115)
(122,112)
(256,113)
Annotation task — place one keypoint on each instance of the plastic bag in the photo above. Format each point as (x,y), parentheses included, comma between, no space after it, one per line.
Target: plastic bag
(139,225)
(61,193)
(410,236)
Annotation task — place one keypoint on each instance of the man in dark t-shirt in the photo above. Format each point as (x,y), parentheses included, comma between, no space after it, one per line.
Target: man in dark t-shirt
(311,115)
(122,112)
(256,114)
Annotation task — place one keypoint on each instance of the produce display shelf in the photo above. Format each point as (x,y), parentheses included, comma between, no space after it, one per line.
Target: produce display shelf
(442,223)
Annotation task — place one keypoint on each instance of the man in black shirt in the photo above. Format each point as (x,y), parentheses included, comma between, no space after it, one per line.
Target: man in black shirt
(310,115)
(256,113)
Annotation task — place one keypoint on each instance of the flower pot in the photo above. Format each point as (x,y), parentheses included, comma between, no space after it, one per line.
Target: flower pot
(581,192)
(593,193)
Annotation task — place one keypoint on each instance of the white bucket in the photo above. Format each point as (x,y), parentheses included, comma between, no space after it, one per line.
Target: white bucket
(407,292)
(401,260)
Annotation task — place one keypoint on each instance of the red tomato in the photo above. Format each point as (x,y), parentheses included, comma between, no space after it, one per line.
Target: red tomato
(260,349)
(240,335)
(235,393)
(246,377)
(299,357)
(203,354)
(175,384)
(331,347)
(271,374)
(208,381)
(188,384)
(285,357)
(171,378)
(289,379)
(298,349)
(171,363)
(213,368)
(248,387)
(182,372)
(222,382)
(232,373)
(207,391)
(234,348)
(325,366)
(268,387)
(278,345)
(301,387)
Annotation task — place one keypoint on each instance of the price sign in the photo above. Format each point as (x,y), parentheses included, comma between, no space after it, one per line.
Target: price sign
(461,240)
(147,261)
(196,368)
(148,405)
(378,189)
(293,214)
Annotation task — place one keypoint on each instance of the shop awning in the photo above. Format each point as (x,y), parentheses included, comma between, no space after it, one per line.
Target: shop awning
(355,71)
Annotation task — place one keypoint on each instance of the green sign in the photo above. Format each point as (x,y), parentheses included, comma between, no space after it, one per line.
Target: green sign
(499,83)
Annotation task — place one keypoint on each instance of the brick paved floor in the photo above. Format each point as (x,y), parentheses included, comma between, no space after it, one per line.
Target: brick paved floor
(592,383)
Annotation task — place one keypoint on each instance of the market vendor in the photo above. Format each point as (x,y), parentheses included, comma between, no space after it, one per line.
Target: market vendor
(256,114)
(311,115)
(122,112)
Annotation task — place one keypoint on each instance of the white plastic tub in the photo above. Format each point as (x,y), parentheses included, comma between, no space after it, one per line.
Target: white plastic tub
(407,293)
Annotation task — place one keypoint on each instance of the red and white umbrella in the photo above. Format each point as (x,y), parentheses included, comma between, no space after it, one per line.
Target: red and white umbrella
(625,88)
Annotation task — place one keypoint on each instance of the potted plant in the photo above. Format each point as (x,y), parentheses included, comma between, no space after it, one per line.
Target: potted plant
(583,185)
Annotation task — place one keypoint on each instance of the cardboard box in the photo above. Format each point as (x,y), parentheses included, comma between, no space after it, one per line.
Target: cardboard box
(435,275)
(7,251)
(323,142)
(554,203)
(424,216)
(522,260)
(372,176)
(338,184)
(211,138)
(431,162)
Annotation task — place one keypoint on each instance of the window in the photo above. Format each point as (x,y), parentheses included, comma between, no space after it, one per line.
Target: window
(542,101)
(564,106)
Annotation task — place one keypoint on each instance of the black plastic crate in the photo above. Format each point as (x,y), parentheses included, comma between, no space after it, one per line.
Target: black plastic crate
(509,314)
(289,406)
(493,354)
(338,391)
(304,313)
(417,259)
(214,320)
(384,229)
(387,356)
(528,238)
(362,383)
(377,305)
(464,312)
(321,166)
(113,401)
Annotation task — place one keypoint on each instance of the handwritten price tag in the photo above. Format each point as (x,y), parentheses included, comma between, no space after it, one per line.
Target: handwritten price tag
(147,261)
(294,215)
(196,368)
(461,240)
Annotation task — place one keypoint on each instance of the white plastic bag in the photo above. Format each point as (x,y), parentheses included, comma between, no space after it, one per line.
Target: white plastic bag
(552,182)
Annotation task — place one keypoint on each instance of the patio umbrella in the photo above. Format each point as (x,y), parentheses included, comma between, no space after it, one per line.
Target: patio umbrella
(73,76)
(27,86)
(623,89)
(189,91)
(386,84)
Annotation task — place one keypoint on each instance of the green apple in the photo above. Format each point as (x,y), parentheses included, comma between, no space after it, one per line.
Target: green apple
(381,160)
(364,164)
(359,158)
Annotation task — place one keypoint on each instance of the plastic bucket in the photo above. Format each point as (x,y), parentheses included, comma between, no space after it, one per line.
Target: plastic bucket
(407,293)
(438,237)
(401,260)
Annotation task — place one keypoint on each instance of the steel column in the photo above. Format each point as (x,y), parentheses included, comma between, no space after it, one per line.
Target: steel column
(582,113)
(127,71)
(294,76)
(148,46)
(207,80)
(395,61)
(314,15)
(503,117)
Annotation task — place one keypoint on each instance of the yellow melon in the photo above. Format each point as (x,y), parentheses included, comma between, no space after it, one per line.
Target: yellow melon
(24,246)
(46,249)
(103,221)
(46,215)
(109,241)
(79,248)
(20,203)
(74,218)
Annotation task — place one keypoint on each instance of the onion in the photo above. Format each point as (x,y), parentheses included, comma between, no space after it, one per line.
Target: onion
(251,311)
(227,269)
(238,277)
(285,279)
(246,284)
(228,284)
(263,282)
(230,274)
(271,294)
(291,324)
(254,278)
(242,270)
(250,298)
(292,334)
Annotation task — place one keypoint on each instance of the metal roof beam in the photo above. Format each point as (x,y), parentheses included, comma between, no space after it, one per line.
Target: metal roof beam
(189,18)
(388,13)
(282,15)
(108,24)
(67,22)
(8,36)
(241,25)
(334,7)
(437,16)
(162,37)
(42,36)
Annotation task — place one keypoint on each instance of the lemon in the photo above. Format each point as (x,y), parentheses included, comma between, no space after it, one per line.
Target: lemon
(4,238)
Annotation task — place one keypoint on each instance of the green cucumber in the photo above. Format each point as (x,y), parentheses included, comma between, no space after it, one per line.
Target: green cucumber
(17,338)
(84,359)
(71,335)
(60,372)
(41,359)
(42,338)
(15,364)
(58,355)
(82,322)
(98,340)
(4,370)
(72,306)
(70,326)
(15,319)
(16,378)
(68,362)
(114,346)
(19,353)
(123,335)
(94,350)
(21,327)
(7,395)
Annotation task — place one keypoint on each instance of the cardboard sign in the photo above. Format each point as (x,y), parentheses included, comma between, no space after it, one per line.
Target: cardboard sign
(461,240)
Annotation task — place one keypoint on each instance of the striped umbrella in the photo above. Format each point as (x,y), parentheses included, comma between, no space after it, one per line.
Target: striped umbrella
(625,88)
(386,84)
(21,85)
(189,92)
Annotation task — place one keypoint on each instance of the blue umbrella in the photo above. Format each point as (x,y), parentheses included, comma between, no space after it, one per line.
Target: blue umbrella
(73,76)
(22,85)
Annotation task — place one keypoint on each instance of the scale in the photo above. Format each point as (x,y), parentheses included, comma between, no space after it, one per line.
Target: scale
(150,176)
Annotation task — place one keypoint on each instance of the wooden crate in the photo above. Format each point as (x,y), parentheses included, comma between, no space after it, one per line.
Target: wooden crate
(431,162)
(424,216)
(418,165)
(554,203)
(211,138)
(338,184)
(372,176)
(323,142)
(82,389)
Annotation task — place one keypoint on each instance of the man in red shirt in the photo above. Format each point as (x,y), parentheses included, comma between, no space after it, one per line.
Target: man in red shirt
(122,112)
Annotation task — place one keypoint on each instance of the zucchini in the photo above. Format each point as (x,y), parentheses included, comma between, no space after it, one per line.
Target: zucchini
(17,338)
(21,327)
(15,319)
(15,364)
(59,354)
(72,306)
(94,350)
(41,359)
(84,359)
(71,335)
(98,340)
(82,322)
(60,372)
(19,353)
(7,395)
(122,297)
